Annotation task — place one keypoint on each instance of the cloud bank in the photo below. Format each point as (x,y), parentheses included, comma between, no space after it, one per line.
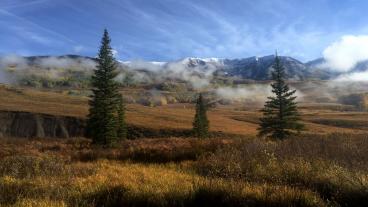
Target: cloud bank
(353,77)
(344,54)
(199,76)
(258,92)
(14,67)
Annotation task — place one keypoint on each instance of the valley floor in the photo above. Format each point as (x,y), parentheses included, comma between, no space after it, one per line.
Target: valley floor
(230,119)
(326,165)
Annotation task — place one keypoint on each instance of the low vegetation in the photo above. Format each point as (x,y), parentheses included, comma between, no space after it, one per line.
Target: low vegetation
(334,166)
(343,123)
(326,170)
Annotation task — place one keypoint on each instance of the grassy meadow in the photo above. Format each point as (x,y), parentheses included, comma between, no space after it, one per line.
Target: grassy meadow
(327,165)
(235,119)
(327,170)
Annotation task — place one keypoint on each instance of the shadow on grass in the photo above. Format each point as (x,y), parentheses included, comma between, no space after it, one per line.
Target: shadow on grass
(202,196)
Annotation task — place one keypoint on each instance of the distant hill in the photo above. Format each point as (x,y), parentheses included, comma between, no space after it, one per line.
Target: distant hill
(69,70)
(37,59)
(259,68)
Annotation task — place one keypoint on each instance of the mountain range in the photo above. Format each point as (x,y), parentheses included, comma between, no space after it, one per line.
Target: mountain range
(259,68)
(253,68)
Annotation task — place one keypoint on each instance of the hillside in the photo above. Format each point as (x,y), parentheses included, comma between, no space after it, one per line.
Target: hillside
(238,118)
(75,71)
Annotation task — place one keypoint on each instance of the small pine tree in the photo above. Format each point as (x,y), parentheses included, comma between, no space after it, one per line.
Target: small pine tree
(200,123)
(121,128)
(102,121)
(280,115)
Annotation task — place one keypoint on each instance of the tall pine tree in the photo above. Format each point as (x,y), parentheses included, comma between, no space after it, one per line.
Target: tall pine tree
(121,128)
(280,115)
(200,123)
(102,119)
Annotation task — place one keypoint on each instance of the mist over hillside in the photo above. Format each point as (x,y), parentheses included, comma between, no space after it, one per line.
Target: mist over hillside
(245,79)
(198,71)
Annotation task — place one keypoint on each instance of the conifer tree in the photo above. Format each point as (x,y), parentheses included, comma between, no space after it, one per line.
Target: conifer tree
(121,128)
(280,115)
(200,123)
(102,120)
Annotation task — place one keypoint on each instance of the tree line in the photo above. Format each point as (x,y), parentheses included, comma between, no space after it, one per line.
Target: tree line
(106,119)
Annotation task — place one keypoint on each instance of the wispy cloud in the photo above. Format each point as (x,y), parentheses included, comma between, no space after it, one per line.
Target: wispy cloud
(210,33)
(167,29)
(234,38)
(17,4)
(34,32)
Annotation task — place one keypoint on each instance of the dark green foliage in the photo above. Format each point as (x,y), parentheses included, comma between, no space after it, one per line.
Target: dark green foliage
(102,120)
(200,123)
(122,128)
(280,115)
(139,132)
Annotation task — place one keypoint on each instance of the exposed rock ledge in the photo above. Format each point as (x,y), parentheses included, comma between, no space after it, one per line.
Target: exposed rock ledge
(26,124)
(35,125)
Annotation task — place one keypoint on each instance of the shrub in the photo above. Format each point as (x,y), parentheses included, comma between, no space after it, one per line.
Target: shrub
(30,166)
(159,150)
(331,165)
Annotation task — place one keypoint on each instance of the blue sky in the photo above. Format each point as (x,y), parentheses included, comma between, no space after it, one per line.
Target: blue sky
(164,30)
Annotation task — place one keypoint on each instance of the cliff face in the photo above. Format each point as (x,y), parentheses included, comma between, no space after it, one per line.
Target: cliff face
(25,124)
(35,125)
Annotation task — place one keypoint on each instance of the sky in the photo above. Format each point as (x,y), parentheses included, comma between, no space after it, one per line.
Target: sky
(163,30)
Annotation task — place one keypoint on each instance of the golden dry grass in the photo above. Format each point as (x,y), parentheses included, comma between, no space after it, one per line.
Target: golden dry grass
(37,101)
(304,171)
(334,165)
(228,119)
(309,170)
(111,183)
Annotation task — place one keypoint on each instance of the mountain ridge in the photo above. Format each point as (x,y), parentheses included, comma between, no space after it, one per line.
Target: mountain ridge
(254,67)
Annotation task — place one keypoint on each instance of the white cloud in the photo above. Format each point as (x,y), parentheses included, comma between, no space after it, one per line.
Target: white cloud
(358,76)
(344,54)
(198,76)
(257,92)
(13,60)
(114,52)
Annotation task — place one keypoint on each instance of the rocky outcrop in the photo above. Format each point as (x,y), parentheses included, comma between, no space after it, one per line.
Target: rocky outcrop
(26,124)
(36,125)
